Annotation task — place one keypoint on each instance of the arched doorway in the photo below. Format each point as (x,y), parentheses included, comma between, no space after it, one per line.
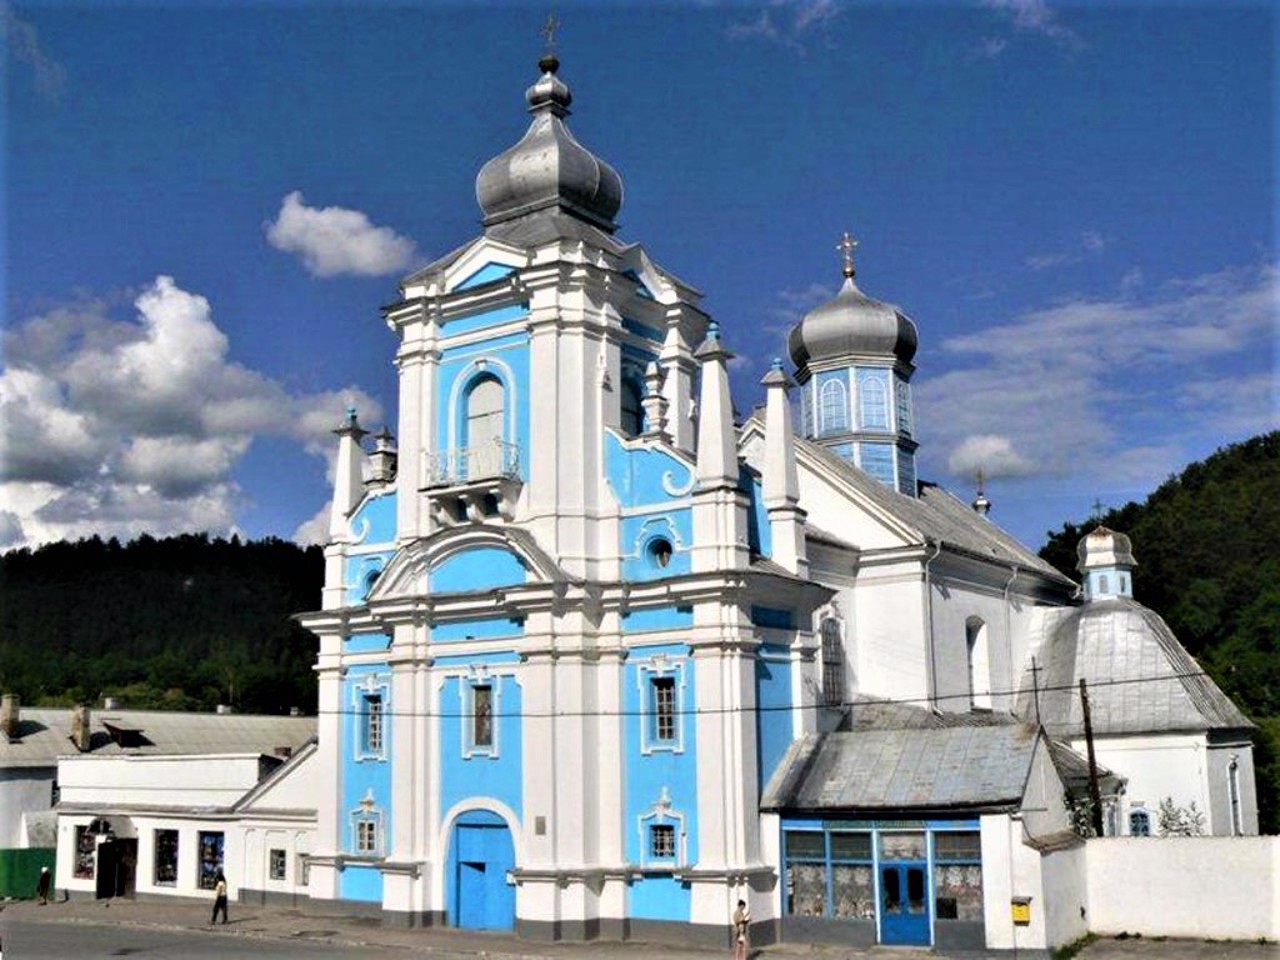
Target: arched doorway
(481,858)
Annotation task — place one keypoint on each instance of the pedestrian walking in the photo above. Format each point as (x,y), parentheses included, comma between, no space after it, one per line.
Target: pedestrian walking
(219,898)
(741,931)
(42,885)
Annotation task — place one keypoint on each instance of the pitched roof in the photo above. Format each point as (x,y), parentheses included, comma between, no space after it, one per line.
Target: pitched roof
(934,516)
(951,768)
(1140,678)
(44,734)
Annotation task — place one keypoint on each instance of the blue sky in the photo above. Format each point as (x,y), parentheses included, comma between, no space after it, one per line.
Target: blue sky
(206,205)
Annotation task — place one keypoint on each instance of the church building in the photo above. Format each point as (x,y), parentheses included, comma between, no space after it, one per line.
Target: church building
(597,661)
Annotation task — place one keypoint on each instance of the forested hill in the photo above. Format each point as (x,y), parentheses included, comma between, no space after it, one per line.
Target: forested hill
(1207,544)
(183,623)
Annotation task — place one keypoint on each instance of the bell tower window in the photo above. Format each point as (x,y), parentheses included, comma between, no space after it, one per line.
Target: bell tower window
(833,408)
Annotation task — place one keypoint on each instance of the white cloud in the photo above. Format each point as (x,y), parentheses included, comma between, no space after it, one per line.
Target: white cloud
(1090,243)
(1032,17)
(117,427)
(334,240)
(787,22)
(316,530)
(993,455)
(1121,390)
(23,43)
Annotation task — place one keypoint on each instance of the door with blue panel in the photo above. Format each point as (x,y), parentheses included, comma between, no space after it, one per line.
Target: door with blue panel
(904,889)
(481,858)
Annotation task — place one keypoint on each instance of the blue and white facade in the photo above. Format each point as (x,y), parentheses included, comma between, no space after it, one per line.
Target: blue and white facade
(578,619)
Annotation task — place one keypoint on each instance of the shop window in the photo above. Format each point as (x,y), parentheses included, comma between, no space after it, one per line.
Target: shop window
(210,847)
(165,863)
(278,866)
(86,853)
(805,857)
(957,875)
(853,895)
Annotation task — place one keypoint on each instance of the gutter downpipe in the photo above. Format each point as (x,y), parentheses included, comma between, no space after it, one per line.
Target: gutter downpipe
(1008,635)
(928,600)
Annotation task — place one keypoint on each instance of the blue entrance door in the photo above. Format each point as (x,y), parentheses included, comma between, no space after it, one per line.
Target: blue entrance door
(482,856)
(904,903)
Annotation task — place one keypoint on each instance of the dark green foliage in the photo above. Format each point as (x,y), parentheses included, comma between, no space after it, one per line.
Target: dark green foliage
(182,623)
(1207,544)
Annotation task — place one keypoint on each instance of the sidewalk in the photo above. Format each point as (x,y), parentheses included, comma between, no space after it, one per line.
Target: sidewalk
(316,924)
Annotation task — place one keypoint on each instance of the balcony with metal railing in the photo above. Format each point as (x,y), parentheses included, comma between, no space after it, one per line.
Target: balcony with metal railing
(473,483)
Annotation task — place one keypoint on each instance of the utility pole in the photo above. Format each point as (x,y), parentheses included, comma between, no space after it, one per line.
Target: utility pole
(1095,795)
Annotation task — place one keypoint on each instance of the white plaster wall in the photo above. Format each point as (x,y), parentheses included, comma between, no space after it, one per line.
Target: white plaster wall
(294,791)
(1009,869)
(1066,903)
(1222,888)
(1219,759)
(258,840)
(22,790)
(199,780)
(829,509)
(1170,765)
(892,650)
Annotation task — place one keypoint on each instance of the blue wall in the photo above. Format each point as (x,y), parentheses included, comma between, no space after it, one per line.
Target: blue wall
(498,776)
(657,618)
(507,359)
(773,698)
(364,776)
(637,533)
(486,274)
(479,568)
(660,771)
(644,475)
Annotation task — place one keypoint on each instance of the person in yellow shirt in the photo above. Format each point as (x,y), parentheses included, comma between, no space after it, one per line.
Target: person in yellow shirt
(219,898)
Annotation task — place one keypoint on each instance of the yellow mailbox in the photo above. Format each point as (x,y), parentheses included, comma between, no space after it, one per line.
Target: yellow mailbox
(1021,907)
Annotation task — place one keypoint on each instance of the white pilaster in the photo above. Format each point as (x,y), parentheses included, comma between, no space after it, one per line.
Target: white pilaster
(780,480)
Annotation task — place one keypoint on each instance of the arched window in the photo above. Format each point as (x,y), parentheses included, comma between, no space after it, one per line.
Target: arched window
(632,419)
(1139,823)
(874,402)
(979,663)
(484,426)
(832,663)
(833,408)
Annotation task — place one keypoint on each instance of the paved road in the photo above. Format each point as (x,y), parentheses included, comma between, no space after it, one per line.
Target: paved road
(177,930)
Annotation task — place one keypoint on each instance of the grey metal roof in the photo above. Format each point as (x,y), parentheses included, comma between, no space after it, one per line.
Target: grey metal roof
(870,713)
(852,324)
(44,734)
(937,515)
(1140,678)
(970,768)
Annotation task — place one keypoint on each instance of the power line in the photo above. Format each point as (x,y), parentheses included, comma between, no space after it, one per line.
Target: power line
(715,711)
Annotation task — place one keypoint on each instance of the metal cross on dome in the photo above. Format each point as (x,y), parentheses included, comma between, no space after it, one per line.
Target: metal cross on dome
(846,247)
(549,31)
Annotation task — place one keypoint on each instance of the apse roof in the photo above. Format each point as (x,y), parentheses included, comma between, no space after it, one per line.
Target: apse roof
(1139,677)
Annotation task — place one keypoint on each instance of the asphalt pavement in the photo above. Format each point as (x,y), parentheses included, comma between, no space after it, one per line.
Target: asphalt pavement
(258,926)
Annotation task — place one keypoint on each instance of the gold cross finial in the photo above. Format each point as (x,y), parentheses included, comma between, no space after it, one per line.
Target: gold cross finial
(847,246)
(549,31)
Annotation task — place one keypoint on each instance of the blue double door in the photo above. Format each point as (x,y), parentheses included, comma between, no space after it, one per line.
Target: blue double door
(481,859)
(904,902)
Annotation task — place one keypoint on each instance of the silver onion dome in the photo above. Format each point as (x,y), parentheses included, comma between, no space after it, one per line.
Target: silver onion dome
(852,324)
(1103,547)
(548,168)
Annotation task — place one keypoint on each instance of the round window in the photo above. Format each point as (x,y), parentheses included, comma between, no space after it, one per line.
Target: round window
(659,551)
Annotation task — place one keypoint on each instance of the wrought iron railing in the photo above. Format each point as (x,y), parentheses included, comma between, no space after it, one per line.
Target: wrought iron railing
(489,461)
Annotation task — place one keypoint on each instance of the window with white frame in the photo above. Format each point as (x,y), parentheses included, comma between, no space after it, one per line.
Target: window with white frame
(661,682)
(662,834)
(369,704)
(832,663)
(833,407)
(366,828)
(873,402)
(482,715)
(662,841)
